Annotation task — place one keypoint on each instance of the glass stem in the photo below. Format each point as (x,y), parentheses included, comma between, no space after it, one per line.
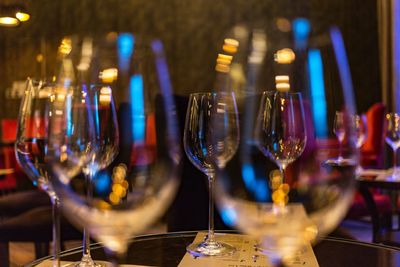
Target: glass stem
(55,203)
(340,150)
(211,181)
(86,236)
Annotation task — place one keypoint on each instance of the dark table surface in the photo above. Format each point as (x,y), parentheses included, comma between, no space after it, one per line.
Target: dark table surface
(168,250)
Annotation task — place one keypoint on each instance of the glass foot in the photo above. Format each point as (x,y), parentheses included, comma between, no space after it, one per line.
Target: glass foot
(210,248)
(87,261)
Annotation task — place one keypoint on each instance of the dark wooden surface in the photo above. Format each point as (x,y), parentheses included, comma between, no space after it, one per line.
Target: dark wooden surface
(168,249)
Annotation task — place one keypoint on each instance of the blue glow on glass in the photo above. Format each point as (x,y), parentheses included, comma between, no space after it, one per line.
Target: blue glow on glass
(165,83)
(344,69)
(137,108)
(229,216)
(125,43)
(301,29)
(258,186)
(68,109)
(318,100)
(102,182)
(96,115)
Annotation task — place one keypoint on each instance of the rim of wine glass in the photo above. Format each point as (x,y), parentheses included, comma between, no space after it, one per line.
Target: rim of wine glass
(272,92)
(211,93)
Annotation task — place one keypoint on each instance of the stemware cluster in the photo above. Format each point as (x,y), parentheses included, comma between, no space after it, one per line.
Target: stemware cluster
(115,164)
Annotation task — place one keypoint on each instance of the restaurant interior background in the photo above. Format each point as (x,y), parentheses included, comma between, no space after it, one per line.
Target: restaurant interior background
(192,32)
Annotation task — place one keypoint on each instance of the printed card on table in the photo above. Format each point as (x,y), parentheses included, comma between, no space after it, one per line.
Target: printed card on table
(245,256)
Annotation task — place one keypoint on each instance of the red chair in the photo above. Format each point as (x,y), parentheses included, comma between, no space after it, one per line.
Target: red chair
(371,156)
(373,148)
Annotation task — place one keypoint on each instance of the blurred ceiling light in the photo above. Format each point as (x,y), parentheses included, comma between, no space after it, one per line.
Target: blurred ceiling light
(65,46)
(105,95)
(283,87)
(22,16)
(283,24)
(285,56)
(12,15)
(108,75)
(9,21)
(281,78)
(39,58)
(222,68)
(230,45)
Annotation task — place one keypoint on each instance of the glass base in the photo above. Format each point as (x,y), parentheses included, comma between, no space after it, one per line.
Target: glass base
(341,162)
(210,248)
(87,261)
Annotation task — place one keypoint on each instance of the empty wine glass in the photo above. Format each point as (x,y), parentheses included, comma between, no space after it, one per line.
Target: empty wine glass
(280,129)
(106,143)
(305,73)
(30,146)
(208,147)
(393,139)
(140,183)
(340,131)
(361,128)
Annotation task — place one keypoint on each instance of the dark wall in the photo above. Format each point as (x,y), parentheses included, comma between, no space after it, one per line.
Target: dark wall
(192,31)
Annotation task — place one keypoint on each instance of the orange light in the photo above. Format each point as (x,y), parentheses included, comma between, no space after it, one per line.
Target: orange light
(9,21)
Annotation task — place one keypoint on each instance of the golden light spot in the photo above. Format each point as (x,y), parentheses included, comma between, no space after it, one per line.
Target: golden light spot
(283,24)
(39,58)
(109,75)
(284,56)
(22,16)
(65,46)
(114,198)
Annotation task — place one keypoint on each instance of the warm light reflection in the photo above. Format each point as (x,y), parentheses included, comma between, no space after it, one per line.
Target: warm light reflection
(9,21)
(283,24)
(22,16)
(279,189)
(282,78)
(223,63)
(230,45)
(65,46)
(39,58)
(109,75)
(284,56)
(119,186)
(105,95)
(283,87)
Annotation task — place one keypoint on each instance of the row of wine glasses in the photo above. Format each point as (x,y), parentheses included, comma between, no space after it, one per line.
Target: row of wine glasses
(288,126)
(69,138)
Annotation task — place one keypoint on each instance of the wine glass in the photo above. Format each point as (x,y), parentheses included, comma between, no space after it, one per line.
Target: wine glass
(340,131)
(280,130)
(140,183)
(30,146)
(304,70)
(208,147)
(106,142)
(361,128)
(393,139)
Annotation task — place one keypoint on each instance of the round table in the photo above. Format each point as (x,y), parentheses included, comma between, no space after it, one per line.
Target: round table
(168,249)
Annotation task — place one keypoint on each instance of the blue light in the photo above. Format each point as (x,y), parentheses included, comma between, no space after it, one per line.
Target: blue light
(96,117)
(165,85)
(344,69)
(126,43)
(318,100)
(102,182)
(137,108)
(229,216)
(301,29)
(259,187)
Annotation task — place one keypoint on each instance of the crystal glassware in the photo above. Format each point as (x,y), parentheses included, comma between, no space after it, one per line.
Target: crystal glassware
(289,57)
(141,180)
(30,146)
(393,139)
(207,147)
